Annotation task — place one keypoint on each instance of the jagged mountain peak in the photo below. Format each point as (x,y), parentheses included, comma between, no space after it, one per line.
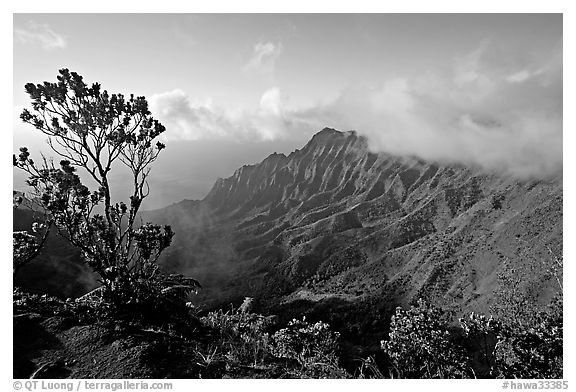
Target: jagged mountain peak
(335,219)
(332,162)
(326,134)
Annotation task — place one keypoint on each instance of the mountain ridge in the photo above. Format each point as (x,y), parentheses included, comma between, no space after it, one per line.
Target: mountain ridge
(337,233)
(391,227)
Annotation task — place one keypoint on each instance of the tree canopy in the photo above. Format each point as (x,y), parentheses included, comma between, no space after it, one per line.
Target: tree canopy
(92,130)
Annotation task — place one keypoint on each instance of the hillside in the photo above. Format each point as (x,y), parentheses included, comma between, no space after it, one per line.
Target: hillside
(58,269)
(331,232)
(335,226)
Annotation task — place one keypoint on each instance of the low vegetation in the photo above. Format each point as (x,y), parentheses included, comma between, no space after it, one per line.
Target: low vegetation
(424,344)
(251,341)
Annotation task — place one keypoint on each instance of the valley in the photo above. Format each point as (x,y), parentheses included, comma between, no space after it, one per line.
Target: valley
(335,221)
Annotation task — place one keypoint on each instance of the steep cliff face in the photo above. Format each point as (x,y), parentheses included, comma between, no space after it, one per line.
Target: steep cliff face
(333,221)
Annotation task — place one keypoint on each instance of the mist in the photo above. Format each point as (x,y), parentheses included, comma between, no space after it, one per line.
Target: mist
(493,107)
(487,110)
(189,169)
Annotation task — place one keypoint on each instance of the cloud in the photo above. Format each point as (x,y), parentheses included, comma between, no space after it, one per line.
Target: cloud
(498,112)
(264,57)
(501,112)
(42,34)
(189,119)
(518,77)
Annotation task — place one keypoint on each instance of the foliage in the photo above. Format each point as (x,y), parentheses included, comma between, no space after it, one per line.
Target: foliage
(313,346)
(96,131)
(541,348)
(517,295)
(484,336)
(497,200)
(536,351)
(241,336)
(23,302)
(420,345)
(26,246)
(369,369)
(300,350)
(517,351)
(515,299)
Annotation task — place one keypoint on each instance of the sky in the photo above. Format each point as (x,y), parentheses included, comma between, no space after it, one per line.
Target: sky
(479,89)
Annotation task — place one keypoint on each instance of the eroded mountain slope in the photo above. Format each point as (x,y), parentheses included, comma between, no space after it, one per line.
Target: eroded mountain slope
(335,222)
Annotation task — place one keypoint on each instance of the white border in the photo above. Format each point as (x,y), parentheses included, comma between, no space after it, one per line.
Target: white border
(304,6)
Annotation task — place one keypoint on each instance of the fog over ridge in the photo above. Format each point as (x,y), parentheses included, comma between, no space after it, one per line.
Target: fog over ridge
(494,108)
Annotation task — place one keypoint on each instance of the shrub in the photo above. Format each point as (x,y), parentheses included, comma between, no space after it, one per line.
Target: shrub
(421,346)
(483,340)
(536,351)
(92,130)
(516,350)
(241,336)
(314,347)
(300,350)
(497,200)
(26,246)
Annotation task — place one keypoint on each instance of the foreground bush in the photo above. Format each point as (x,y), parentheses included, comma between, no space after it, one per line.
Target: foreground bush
(241,337)
(423,344)
(96,132)
(518,351)
(299,350)
(313,346)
